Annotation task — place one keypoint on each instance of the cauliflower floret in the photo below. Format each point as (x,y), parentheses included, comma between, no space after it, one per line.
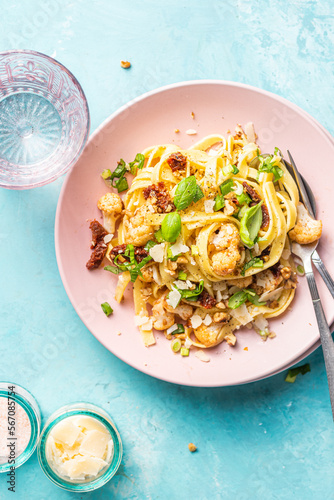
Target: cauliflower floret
(227,243)
(208,335)
(185,311)
(241,282)
(161,318)
(136,231)
(307,230)
(111,207)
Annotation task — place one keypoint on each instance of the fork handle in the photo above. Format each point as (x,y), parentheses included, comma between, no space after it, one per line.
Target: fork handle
(325,335)
(323,272)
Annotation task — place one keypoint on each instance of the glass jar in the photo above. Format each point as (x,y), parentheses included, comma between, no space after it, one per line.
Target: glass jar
(15,397)
(90,484)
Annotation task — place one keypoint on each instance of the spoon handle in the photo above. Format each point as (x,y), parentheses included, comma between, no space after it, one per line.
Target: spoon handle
(325,334)
(323,272)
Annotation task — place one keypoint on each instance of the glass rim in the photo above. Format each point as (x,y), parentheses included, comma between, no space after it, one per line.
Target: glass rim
(70,164)
(70,410)
(32,410)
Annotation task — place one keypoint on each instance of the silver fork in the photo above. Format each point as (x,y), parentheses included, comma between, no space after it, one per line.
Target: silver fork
(308,200)
(304,252)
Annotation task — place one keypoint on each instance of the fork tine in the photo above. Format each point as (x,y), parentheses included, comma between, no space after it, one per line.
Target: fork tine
(302,191)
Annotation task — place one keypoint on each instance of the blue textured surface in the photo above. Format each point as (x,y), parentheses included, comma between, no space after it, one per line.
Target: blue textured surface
(266,440)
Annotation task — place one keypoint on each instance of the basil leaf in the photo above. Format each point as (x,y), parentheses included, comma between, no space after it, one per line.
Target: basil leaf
(240,298)
(171,226)
(250,225)
(219,202)
(137,163)
(253,298)
(198,195)
(237,299)
(226,187)
(121,184)
(185,193)
(191,294)
(112,269)
(254,262)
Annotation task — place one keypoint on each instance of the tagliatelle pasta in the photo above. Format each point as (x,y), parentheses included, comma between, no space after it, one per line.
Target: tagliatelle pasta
(204,237)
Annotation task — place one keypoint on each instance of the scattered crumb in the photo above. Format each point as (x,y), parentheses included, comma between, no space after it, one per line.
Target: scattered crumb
(119,333)
(192,447)
(145,364)
(125,64)
(228,131)
(272,335)
(245,348)
(191,131)
(192,115)
(176,130)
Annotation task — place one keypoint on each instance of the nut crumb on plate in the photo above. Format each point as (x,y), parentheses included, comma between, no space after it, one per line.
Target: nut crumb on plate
(176,130)
(192,115)
(125,64)
(192,447)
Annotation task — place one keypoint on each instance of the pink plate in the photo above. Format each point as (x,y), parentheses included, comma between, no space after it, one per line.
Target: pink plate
(151,119)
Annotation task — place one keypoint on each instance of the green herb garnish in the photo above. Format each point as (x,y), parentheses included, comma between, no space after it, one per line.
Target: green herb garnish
(250,225)
(191,295)
(186,192)
(293,372)
(158,236)
(138,162)
(171,226)
(243,199)
(219,202)
(182,276)
(240,298)
(176,345)
(226,187)
(254,262)
(267,165)
(107,309)
(180,329)
(184,351)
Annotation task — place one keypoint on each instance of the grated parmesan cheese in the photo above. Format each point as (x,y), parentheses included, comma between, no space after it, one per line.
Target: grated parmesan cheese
(260,322)
(157,252)
(207,320)
(241,314)
(178,248)
(173,298)
(202,356)
(196,321)
(182,285)
(191,131)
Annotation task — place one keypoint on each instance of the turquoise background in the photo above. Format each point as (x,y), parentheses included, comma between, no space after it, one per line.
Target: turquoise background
(266,440)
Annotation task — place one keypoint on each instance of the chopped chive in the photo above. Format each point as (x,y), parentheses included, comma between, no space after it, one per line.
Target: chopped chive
(300,270)
(184,351)
(226,187)
(107,309)
(180,329)
(106,174)
(219,202)
(293,372)
(121,184)
(176,345)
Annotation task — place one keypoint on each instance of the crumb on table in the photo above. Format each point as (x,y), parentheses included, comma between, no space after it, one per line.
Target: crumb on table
(192,447)
(192,115)
(125,64)
(176,130)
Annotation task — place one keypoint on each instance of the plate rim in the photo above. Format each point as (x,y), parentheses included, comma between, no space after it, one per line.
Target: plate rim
(291,361)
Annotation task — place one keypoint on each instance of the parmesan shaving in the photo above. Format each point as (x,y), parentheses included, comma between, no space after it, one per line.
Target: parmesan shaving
(202,356)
